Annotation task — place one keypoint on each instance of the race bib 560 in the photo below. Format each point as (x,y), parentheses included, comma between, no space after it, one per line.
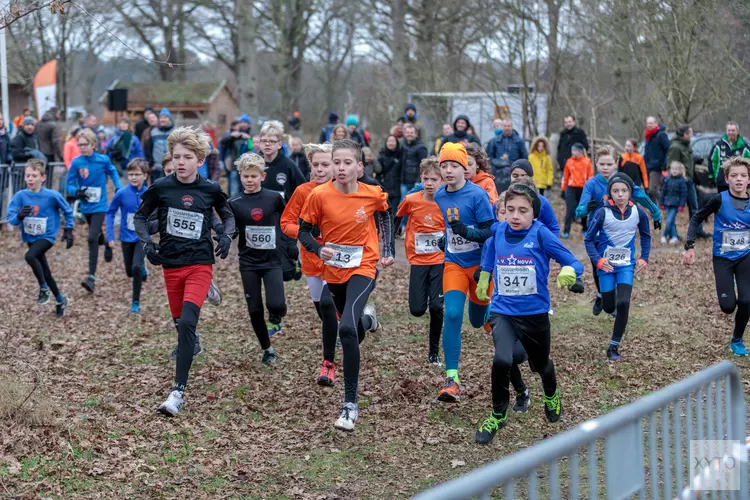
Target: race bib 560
(260,237)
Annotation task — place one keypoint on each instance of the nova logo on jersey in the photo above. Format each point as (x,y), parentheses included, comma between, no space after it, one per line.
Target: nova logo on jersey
(187,201)
(360,215)
(84,173)
(256,214)
(512,260)
(734,225)
(428,220)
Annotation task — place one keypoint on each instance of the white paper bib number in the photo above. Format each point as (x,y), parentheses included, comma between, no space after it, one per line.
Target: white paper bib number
(93,194)
(427,242)
(35,226)
(516,280)
(345,256)
(735,241)
(458,244)
(617,256)
(131,221)
(184,224)
(260,237)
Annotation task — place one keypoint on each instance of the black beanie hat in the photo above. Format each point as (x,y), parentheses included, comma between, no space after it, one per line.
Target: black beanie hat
(620,177)
(523,165)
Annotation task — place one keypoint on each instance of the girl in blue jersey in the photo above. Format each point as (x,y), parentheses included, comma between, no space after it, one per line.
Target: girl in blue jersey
(518,252)
(610,242)
(731,246)
(37,211)
(87,181)
(126,201)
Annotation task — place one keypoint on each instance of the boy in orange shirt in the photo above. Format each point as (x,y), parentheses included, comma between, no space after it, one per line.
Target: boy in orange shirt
(345,211)
(423,231)
(578,170)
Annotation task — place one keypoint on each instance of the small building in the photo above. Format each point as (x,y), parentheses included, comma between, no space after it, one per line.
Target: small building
(19,94)
(191,103)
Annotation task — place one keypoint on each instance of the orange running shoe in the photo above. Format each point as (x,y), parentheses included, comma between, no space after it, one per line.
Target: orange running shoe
(487,328)
(327,375)
(450,393)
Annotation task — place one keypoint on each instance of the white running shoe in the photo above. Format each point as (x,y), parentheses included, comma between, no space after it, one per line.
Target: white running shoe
(369,310)
(173,404)
(349,415)
(674,241)
(214,294)
(663,240)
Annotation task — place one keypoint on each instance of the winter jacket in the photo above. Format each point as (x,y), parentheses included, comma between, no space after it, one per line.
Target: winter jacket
(680,150)
(544,172)
(412,154)
(300,159)
(390,171)
(577,171)
(565,146)
(157,144)
(136,150)
(22,145)
(673,192)
(720,153)
(461,136)
(634,166)
(487,182)
(71,151)
(503,151)
(358,136)
(656,151)
(325,132)
(48,135)
(4,147)
(140,127)
(235,147)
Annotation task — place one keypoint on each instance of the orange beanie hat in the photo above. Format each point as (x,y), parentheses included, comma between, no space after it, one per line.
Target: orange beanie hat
(453,151)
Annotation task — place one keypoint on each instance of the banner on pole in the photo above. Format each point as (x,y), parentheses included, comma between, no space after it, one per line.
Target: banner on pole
(45,88)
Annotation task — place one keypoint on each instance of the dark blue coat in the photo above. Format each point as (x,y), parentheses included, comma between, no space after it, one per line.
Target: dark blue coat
(673,192)
(656,151)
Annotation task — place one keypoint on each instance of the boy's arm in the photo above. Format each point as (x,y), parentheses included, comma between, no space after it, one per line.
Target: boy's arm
(643,199)
(387,242)
(221,205)
(114,206)
(711,207)
(644,172)
(595,225)
(582,208)
(488,255)
(645,232)
(149,203)
(566,176)
(289,221)
(13,207)
(71,186)
(554,249)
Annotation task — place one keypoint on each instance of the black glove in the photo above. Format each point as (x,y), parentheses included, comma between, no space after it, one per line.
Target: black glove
(219,229)
(591,206)
(577,287)
(477,273)
(81,194)
(441,243)
(67,237)
(657,225)
(24,212)
(152,253)
(224,243)
(459,228)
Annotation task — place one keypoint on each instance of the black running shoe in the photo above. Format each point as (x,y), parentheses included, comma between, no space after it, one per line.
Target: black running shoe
(489,427)
(44,295)
(269,357)
(434,359)
(613,354)
(523,400)
(553,407)
(597,309)
(107,254)
(60,307)
(89,284)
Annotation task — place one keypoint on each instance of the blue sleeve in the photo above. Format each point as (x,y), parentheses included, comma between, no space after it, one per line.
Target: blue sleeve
(13,207)
(111,211)
(664,143)
(483,208)
(112,173)
(596,221)
(488,254)
(66,210)
(557,251)
(108,146)
(640,197)
(645,234)
(585,199)
(547,217)
(72,184)
(417,187)
(137,151)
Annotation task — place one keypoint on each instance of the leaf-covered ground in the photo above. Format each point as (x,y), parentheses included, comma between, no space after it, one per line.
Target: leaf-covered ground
(90,429)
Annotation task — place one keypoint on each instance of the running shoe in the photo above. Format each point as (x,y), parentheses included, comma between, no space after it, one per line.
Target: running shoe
(451,392)
(173,404)
(273,329)
(434,359)
(597,309)
(663,240)
(738,347)
(370,311)
(269,357)
(214,294)
(489,427)
(45,294)
(523,400)
(60,307)
(553,407)
(135,307)
(107,254)
(613,353)
(487,329)
(327,376)
(674,240)
(89,284)
(196,350)
(349,415)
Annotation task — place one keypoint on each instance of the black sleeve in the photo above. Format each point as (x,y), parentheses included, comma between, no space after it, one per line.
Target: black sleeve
(297,177)
(306,238)
(221,205)
(396,225)
(479,234)
(387,243)
(711,207)
(149,203)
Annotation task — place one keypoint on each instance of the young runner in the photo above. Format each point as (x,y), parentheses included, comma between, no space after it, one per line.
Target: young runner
(478,170)
(595,193)
(126,201)
(37,210)
(610,242)
(731,247)
(257,212)
(423,231)
(522,169)
(184,203)
(518,253)
(468,214)
(321,171)
(87,181)
(345,211)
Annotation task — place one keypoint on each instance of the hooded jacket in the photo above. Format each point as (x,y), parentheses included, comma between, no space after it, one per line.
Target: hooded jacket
(157,144)
(673,192)
(412,154)
(656,151)
(720,153)
(634,166)
(503,150)
(48,135)
(461,136)
(577,171)
(680,150)
(565,146)
(542,164)
(390,171)
(21,144)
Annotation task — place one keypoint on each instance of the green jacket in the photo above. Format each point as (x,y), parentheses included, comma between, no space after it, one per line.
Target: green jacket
(680,150)
(722,151)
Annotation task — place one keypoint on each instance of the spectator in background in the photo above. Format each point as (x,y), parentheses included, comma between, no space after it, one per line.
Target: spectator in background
(71,150)
(18,120)
(731,144)
(569,135)
(235,144)
(102,138)
(397,129)
(503,149)
(681,151)
(92,122)
(339,133)
(411,116)
(447,130)
(327,131)
(355,134)
(4,142)
(157,145)
(210,130)
(631,162)
(541,163)
(370,163)
(48,134)
(25,145)
(389,176)
(460,134)
(413,151)
(142,125)
(299,157)
(673,198)
(124,146)
(294,121)
(222,147)
(657,145)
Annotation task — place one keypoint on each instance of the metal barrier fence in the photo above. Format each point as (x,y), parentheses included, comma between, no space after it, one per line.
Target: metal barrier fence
(640,450)
(12,180)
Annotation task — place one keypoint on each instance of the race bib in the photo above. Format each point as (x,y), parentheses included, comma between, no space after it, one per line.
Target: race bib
(93,194)
(35,226)
(735,241)
(427,242)
(260,237)
(131,221)
(617,256)
(345,256)
(184,224)
(516,280)
(458,244)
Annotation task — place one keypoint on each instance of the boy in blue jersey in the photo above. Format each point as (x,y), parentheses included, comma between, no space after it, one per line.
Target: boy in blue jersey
(37,211)
(731,246)
(518,252)
(126,201)
(87,181)
(468,217)
(595,194)
(610,242)
(522,169)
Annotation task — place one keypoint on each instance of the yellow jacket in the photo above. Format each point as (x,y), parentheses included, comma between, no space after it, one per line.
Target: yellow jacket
(542,164)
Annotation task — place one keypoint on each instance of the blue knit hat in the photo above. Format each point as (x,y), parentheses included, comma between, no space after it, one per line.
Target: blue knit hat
(352,120)
(165,111)
(246,119)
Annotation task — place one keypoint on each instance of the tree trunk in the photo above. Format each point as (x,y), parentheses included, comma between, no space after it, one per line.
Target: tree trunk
(399,50)
(181,52)
(246,62)
(553,20)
